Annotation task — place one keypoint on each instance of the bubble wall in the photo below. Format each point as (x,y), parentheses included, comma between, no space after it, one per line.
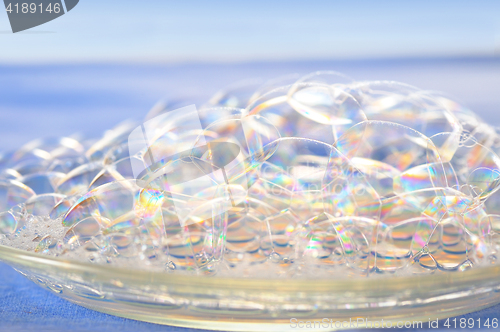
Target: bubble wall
(322,176)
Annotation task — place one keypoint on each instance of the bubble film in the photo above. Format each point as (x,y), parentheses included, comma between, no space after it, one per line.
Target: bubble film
(313,176)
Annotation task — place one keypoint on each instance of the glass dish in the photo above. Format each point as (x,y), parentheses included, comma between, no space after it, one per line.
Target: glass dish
(233,304)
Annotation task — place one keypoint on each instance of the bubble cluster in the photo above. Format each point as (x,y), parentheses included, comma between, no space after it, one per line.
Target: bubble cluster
(299,177)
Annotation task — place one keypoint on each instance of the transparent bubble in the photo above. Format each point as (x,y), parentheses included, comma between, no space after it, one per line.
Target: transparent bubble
(318,111)
(325,105)
(78,180)
(63,206)
(111,138)
(66,165)
(117,171)
(398,146)
(55,147)
(42,205)
(273,84)
(10,174)
(13,193)
(32,166)
(8,223)
(43,183)
(299,176)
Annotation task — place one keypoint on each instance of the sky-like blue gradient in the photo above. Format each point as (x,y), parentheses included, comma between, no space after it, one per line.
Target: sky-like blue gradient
(109,60)
(221,31)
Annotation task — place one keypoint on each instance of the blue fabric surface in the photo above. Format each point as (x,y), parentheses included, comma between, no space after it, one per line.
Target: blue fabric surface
(25,306)
(98,97)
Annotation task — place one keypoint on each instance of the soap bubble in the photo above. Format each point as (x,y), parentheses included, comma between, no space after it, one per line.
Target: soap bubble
(13,193)
(43,183)
(8,223)
(300,176)
(42,205)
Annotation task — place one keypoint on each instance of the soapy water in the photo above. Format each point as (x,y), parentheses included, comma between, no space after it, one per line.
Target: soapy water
(323,177)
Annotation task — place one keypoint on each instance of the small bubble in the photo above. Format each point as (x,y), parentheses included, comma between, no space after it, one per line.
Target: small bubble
(170,266)
(275,257)
(467,265)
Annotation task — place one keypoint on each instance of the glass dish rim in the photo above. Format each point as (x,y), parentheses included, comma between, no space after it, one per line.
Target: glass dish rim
(25,259)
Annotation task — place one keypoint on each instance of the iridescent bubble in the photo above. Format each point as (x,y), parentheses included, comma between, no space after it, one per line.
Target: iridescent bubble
(304,160)
(210,115)
(319,112)
(78,180)
(107,203)
(244,227)
(43,183)
(117,171)
(32,166)
(116,153)
(318,241)
(66,165)
(111,138)
(29,156)
(42,205)
(425,176)
(51,148)
(277,236)
(121,244)
(412,205)
(313,175)
(13,193)
(388,101)
(273,84)
(484,182)
(473,159)
(396,145)
(259,132)
(356,235)
(379,175)
(63,206)
(45,244)
(349,191)
(118,207)
(326,105)
(82,232)
(8,223)
(10,174)
(471,122)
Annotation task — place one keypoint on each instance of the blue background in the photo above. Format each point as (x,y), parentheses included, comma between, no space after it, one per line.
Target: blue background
(260,30)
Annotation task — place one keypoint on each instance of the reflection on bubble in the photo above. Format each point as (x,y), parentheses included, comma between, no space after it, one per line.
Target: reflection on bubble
(42,205)
(13,193)
(8,223)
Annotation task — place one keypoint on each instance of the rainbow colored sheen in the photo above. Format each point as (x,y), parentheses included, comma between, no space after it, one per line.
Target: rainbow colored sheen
(319,173)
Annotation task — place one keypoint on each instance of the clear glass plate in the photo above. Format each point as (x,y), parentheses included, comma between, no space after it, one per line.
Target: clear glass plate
(255,304)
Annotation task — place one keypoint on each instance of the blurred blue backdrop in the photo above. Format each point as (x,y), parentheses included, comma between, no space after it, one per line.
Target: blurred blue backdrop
(221,31)
(109,60)
(51,100)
